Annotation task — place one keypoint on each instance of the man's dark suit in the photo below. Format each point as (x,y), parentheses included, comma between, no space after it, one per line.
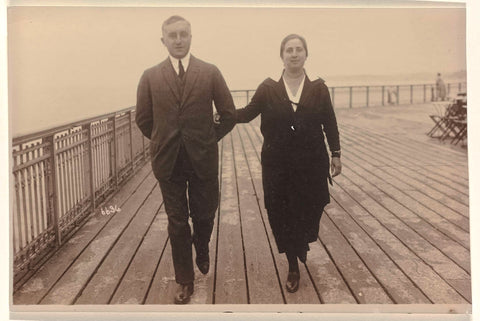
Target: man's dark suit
(177,116)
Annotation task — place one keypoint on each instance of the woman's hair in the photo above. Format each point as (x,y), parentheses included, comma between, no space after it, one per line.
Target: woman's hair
(290,37)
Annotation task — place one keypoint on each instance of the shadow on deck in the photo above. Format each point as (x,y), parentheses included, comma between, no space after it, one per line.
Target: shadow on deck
(395,232)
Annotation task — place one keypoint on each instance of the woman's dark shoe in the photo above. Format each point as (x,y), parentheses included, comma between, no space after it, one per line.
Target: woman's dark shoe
(293,280)
(184,292)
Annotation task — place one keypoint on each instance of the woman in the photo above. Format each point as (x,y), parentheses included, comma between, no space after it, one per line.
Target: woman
(295,114)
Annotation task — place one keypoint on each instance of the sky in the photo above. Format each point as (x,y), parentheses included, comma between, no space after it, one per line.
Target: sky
(71,63)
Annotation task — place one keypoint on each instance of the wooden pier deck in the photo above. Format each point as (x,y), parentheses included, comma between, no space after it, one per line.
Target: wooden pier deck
(396,231)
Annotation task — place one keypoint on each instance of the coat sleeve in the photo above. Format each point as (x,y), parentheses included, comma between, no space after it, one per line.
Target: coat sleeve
(224,105)
(330,123)
(144,111)
(253,109)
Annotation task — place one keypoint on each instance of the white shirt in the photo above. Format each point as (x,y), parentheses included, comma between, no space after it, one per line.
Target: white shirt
(294,98)
(185,61)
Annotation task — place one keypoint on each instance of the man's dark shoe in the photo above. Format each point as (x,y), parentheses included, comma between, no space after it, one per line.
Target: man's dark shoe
(184,292)
(293,281)
(203,262)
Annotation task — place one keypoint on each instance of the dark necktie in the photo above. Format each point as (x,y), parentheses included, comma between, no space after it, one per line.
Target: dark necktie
(181,71)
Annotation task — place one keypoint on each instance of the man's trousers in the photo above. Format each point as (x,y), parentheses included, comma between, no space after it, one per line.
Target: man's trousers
(184,196)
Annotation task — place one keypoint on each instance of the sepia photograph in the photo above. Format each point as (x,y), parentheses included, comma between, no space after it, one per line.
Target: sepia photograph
(287,159)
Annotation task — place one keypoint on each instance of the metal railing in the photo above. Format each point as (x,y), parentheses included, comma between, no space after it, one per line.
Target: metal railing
(372,96)
(61,175)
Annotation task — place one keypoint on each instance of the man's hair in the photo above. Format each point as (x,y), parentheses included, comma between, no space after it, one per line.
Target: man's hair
(290,37)
(173,19)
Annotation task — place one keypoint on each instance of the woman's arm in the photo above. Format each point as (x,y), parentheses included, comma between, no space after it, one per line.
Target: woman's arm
(331,131)
(254,108)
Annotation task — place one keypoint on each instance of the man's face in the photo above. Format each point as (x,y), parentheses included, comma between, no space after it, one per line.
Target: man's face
(177,38)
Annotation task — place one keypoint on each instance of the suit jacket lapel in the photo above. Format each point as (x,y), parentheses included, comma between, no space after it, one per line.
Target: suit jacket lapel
(170,77)
(190,78)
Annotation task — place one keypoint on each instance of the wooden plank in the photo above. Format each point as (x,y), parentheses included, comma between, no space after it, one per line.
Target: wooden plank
(385,181)
(432,285)
(328,282)
(455,172)
(76,277)
(306,293)
(395,281)
(409,148)
(135,284)
(443,242)
(396,167)
(162,290)
(47,275)
(231,285)
(263,283)
(414,157)
(363,284)
(102,285)
(450,272)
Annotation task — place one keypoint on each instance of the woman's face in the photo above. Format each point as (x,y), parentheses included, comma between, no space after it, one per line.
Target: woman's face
(294,55)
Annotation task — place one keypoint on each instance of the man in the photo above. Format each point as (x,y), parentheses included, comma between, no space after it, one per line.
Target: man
(441,91)
(174,110)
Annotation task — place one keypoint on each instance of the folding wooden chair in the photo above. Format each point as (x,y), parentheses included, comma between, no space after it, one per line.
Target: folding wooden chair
(455,122)
(443,110)
(462,131)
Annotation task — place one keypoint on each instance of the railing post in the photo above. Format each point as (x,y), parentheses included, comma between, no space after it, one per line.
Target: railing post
(350,105)
(398,94)
(130,118)
(92,167)
(53,189)
(367,94)
(248,97)
(424,93)
(411,94)
(448,89)
(383,95)
(115,166)
(459,87)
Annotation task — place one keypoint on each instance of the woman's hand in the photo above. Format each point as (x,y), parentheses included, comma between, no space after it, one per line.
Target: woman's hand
(216,118)
(336,166)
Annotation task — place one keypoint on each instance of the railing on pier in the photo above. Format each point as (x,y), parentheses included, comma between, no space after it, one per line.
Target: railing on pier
(61,175)
(371,96)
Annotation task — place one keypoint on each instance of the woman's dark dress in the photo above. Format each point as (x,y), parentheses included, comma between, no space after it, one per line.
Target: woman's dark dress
(295,162)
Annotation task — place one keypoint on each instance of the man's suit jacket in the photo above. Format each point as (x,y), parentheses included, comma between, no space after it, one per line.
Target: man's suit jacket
(169,117)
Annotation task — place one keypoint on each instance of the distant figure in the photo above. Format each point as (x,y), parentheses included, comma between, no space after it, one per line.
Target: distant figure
(174,111)
(440,85)
(296,113)
(392,95)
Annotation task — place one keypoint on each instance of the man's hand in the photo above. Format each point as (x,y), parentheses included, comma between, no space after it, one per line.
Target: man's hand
(336,166)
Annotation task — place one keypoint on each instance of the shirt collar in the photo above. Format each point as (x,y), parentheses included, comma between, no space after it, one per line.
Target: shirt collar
(185,62)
